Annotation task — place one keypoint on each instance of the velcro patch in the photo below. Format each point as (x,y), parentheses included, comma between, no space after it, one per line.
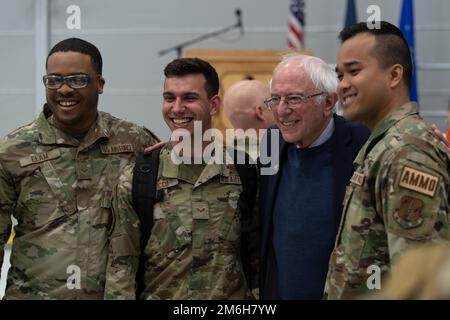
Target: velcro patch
(40,157)
(419,181)
(162,184)
(357,178)
(409,215)
(118,148)
(232,179)
(200,210)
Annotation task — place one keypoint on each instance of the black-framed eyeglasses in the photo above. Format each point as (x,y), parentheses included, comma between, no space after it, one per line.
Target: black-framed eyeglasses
(292,101)
(75,81)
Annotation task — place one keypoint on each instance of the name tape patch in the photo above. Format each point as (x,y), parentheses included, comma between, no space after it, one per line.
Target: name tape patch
(419,181)
(118,148)
(357,178)
(231,179)
(39,157)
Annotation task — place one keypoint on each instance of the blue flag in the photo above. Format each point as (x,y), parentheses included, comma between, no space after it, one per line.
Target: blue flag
(407,27)
(350,16)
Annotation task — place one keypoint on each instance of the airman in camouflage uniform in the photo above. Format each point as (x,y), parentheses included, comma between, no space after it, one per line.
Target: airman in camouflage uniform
(398,196)
(194,248)
(59,188)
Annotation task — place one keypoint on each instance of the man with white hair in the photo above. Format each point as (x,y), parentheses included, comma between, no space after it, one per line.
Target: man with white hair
(301,203)
(243,104)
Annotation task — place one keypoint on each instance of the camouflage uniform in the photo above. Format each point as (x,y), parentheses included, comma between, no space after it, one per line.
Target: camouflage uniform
(397,197)
(423,272)
(194,248)
(60,190)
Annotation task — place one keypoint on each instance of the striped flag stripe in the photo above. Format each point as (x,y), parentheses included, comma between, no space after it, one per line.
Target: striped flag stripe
(295,37)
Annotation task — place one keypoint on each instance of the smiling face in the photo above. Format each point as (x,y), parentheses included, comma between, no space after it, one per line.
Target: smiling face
(74,110)
(304,124)
(185,100)
(363,85)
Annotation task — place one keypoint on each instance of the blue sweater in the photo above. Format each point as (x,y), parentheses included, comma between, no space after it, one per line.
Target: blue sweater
(305,221)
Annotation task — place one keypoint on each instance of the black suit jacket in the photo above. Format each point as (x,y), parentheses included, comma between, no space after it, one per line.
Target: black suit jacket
(350,137)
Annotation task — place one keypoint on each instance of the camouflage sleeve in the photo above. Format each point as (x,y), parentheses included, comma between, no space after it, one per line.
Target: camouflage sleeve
(124,251)
(147,138)
(414,200)
(7,204)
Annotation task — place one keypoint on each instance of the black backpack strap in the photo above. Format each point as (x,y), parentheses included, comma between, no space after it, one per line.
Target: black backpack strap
(249,223)
(144,197)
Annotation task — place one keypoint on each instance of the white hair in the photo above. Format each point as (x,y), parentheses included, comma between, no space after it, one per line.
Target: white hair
(322,74)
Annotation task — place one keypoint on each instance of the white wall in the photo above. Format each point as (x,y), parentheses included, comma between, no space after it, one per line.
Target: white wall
(129,35)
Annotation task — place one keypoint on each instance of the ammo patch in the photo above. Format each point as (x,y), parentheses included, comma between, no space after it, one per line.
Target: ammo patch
(117,148)
(357,178)
(39,157)
(419,181)
(409,215)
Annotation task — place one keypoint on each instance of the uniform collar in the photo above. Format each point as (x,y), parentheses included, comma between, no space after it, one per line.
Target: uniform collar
(390,120)
(48,134)
(171,170)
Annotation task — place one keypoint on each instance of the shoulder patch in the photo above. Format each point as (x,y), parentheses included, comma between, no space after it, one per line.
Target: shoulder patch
(357,178)
(117,148)
(418,181)
(409,215)
(39,157)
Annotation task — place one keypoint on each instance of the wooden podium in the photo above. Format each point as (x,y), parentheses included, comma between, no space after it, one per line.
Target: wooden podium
(234,65)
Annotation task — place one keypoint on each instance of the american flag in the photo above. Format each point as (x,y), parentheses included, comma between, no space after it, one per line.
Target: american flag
(296,24)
